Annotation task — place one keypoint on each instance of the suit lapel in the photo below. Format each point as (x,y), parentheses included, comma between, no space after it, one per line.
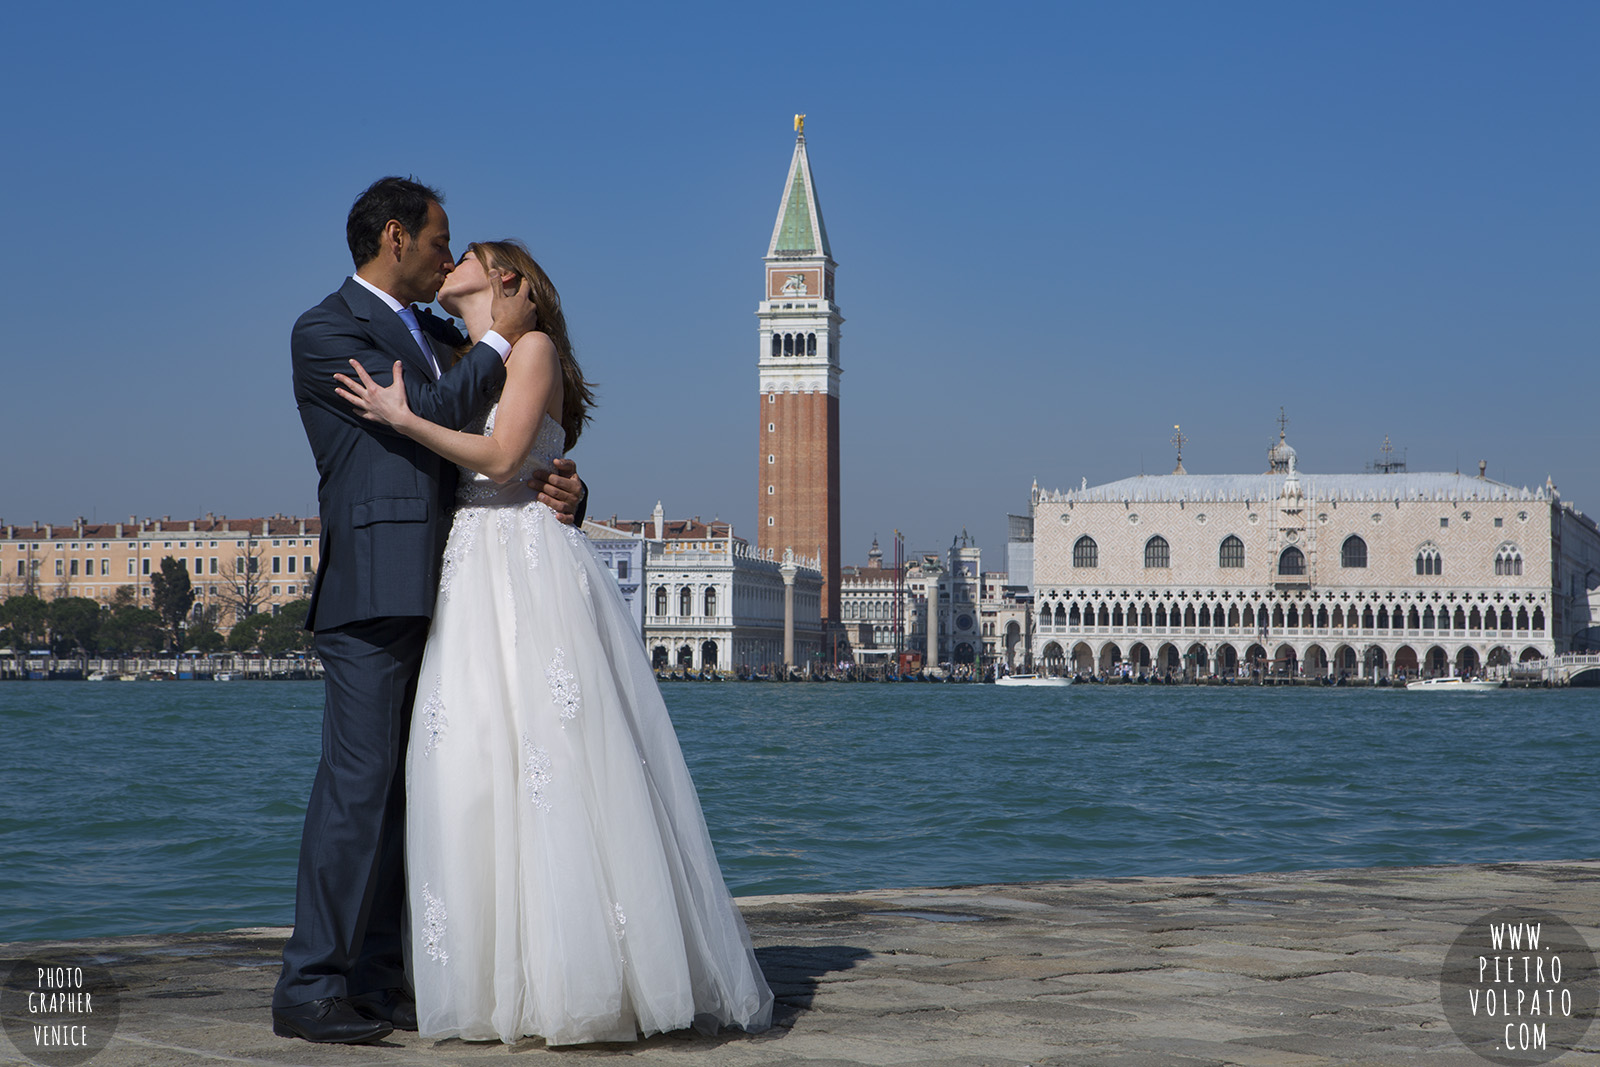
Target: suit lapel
(388,331)
(443,353)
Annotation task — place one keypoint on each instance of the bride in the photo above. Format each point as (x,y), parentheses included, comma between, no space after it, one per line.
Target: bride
(561,879)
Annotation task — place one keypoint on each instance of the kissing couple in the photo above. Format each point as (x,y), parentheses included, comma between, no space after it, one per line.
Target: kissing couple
(502,838)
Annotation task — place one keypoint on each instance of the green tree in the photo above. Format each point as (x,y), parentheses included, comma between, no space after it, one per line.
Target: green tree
(74,625)
(172,595)
(202,634)
(285,631)
(26,621)
(246,633)
(130,628)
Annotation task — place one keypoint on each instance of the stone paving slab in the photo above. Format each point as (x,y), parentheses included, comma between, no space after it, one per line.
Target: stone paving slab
(1271,970)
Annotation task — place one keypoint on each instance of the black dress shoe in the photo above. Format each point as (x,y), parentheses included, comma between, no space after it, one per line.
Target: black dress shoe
(395,1006)
(331,1020)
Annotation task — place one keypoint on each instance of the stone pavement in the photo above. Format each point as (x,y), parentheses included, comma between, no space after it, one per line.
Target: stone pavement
(1319,967)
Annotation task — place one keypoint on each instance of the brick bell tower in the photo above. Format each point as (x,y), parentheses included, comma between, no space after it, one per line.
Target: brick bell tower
(798,494)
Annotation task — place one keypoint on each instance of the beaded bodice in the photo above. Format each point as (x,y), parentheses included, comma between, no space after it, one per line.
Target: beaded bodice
(475,489)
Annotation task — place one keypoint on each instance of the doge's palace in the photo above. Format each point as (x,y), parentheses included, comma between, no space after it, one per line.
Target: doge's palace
(1358,575)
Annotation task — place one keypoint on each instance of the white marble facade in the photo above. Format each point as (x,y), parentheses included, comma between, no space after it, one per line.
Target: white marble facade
(1344,575)
(710,601)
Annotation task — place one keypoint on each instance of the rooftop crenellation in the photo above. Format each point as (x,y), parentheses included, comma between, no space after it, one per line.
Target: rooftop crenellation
(1205,488)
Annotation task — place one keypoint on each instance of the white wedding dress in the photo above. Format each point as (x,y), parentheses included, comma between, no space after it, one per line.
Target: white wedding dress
(561,879)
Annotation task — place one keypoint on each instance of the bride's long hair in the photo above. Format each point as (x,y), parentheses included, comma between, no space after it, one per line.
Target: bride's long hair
(577,396)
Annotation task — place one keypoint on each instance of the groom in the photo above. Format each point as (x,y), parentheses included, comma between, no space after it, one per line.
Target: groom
(385,503)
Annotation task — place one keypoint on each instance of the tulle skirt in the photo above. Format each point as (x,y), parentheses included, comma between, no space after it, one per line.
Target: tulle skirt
(562,882)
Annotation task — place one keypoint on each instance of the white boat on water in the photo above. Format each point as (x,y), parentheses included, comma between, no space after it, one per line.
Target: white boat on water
(1453,685)
(1032,679)
(223,676)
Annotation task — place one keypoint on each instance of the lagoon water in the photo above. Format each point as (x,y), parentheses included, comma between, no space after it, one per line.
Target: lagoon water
(162,807)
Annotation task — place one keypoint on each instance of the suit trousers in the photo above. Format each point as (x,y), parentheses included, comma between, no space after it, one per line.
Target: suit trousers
(350,925)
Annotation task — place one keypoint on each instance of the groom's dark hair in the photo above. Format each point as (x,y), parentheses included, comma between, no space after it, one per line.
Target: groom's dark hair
(402,199)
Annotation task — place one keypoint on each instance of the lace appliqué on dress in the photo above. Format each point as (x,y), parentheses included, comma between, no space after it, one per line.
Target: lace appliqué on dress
(433,920)
(563,686)
(536,774)
(434,722)
(530,532)
(463,535)
(619,924)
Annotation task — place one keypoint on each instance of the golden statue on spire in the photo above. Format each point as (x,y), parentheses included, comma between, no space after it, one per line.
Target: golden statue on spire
(800,125)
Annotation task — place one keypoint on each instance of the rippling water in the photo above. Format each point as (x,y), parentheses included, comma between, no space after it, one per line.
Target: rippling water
(140,807)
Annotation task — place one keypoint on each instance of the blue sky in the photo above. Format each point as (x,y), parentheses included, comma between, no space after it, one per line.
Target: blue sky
(1061,229)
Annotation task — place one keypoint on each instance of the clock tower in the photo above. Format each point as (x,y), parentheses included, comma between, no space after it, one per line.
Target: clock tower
(798,322)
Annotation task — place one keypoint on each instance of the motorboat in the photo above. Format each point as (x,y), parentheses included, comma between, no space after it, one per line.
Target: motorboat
(1453,685)
(1032,679)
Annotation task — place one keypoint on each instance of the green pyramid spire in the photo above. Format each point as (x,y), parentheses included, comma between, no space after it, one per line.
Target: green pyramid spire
(794,232)
(800,230)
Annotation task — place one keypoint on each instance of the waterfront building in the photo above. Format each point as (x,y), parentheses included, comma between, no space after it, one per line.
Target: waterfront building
(712,601)
(237,566)
(941,605)
(623,554)
(1384,573)
(867,607)
(941,601)
(1019,548)
(797,502)
(1004,610)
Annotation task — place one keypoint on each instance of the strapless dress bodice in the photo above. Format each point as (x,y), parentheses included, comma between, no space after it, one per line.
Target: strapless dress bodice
(473,489)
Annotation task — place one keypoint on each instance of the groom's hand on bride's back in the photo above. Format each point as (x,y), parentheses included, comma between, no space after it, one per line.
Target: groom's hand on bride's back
(561,489)
(514,311)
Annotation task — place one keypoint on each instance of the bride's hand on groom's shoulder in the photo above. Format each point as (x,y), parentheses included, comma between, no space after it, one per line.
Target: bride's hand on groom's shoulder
(560,489)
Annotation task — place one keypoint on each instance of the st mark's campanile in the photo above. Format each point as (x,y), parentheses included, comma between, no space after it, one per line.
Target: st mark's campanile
(798,505)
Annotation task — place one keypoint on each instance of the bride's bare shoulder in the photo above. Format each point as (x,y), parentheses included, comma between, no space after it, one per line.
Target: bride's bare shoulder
(533,352)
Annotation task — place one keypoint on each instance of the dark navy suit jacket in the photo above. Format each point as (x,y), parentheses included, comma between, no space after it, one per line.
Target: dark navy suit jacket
(385,500)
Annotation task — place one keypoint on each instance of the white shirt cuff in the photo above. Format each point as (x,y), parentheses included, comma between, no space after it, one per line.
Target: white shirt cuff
(498,343)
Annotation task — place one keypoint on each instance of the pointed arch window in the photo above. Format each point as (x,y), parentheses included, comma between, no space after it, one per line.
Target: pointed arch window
(1429,561)
(1292,561)
(1508,559)
(1157,553)
(1231,554)
(1353,553)
(1085,553)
